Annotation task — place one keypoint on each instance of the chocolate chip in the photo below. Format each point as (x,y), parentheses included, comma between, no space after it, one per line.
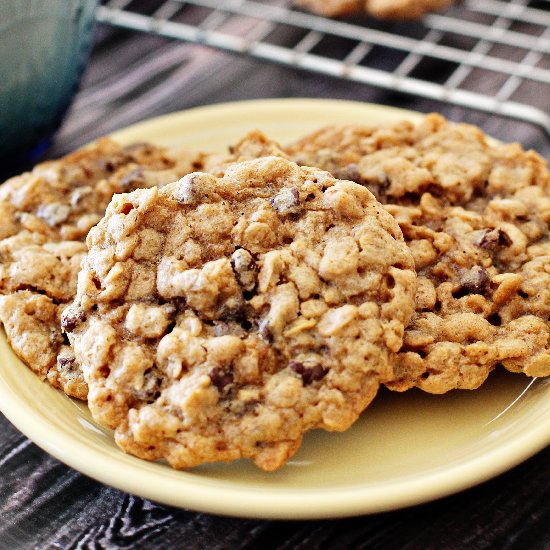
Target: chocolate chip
(286,201)
(237,311)
(349,172)
(56,338)
(249,407)
(493,238)
(222,329)
(234,313)
(106,165)
(504,239)
(309,374)
(179,303)
(475,280)
(142,153)
(71,317)
(65,361)
(220,378)
(245,268)
(150,390)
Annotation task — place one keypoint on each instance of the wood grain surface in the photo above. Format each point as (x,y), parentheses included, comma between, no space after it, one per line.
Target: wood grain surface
(44,504)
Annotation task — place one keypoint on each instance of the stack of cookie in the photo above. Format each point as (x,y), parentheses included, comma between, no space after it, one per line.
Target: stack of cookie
(227,305)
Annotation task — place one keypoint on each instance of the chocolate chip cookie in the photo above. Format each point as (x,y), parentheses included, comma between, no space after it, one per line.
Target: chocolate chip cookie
(383,9)
(222,318)
(45,217)
(475,215)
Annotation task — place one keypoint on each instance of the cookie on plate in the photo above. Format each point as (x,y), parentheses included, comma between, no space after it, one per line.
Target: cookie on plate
(45,217)
(383,9)
(221,318)
(475,215)
(252,146)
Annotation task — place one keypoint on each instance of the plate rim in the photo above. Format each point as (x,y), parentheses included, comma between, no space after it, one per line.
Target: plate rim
(220,497)
(214,496)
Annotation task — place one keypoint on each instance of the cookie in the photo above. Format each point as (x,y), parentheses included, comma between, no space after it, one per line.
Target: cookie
(383,9)
(222,318)
(475,216)
(253,145)
(46,215)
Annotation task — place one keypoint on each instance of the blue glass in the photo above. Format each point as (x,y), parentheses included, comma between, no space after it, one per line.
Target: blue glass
(44,46)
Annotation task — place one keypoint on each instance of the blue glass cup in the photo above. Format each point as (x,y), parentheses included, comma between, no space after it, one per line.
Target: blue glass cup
(44,46)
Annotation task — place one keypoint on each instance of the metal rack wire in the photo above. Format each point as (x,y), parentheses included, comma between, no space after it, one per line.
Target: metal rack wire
(489,55)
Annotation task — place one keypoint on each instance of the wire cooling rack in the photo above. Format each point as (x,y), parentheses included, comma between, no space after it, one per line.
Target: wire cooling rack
(489,55)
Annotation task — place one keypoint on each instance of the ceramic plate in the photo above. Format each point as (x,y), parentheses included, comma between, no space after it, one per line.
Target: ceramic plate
(405,449)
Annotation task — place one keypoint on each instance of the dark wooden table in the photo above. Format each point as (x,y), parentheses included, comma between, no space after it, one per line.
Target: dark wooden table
(45,504)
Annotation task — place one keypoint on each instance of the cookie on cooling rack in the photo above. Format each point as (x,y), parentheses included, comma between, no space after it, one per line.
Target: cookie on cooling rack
(45,217)
(383,9)
(475,215)
(217,319)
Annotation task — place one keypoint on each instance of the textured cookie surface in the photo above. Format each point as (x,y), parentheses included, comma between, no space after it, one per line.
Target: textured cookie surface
(384,9)
(45,217)
(220,318)
(476,218)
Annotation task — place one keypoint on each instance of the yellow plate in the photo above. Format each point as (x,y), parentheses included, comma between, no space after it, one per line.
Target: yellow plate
(406,448)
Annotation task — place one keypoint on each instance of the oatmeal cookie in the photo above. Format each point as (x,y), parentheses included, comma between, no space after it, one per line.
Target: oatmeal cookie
(221,318)
(46,215)
(253,146)
(475,215)
(382,9)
